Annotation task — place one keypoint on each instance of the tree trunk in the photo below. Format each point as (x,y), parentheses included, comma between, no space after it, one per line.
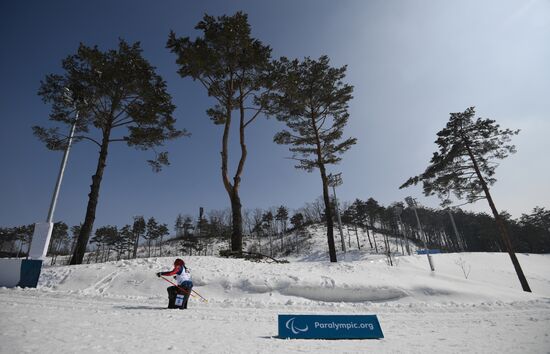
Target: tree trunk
(73,243)
(500,224)
(136,242)
(387,244)
(282,243)
(20,248)
(402,242)
(237,223)
(54,251)
(457,235)
(404,231)
(104,254)
(258,234)
(326,196)
(270,242)
(328,216)
(233,189)
(373,235)
(160,247)
(357,237)
(129,250)
(93,197)
(368,236)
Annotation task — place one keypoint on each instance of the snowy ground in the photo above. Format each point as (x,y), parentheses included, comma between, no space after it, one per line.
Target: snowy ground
(119,307)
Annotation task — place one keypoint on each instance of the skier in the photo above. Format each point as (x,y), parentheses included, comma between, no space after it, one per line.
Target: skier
(185,284)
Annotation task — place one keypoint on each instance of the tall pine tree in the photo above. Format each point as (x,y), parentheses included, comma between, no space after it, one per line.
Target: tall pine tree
(232,66)
(465,166)
(119,98)
(312,100)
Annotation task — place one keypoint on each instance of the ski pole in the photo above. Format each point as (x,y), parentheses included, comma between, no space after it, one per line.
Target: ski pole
(199,295)
(192,293)
(179,287)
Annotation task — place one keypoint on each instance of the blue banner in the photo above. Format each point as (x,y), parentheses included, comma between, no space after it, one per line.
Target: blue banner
(329,327)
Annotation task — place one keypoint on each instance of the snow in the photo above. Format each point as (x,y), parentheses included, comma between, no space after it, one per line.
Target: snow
(119,307)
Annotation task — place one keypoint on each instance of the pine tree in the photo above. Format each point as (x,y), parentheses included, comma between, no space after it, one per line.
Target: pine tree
(138,230)
(75,231)
(297,220)
(126,242)
(111,239)
(24,235)
(231,65)
(371,210)
(267,223)
(187,226)
(312,100)
(356,218)
(151,233)
(108,90)
(282,217)
(162,231)
(465,166)
(59,236)
(105,237)
(6,237)
(540,217)
(97,239)
(535,229)
(256,222)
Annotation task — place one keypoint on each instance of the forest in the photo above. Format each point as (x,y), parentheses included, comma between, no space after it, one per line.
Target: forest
(475,232)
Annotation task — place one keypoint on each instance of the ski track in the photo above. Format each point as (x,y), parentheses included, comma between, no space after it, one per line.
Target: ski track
(110,325)
(104,283)
(119,306)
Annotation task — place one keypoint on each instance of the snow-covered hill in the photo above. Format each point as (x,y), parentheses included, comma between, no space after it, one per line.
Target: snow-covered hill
(119,306)
(309,243)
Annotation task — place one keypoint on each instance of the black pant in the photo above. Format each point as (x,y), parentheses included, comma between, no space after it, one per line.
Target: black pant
(173,291)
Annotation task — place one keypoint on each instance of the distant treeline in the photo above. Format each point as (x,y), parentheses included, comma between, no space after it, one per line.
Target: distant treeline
(475,232)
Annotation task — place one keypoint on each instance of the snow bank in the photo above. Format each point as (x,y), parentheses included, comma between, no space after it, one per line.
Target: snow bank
(371,280)
(119,307)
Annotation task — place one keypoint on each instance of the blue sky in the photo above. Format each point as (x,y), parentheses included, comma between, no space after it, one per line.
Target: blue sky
(411,64)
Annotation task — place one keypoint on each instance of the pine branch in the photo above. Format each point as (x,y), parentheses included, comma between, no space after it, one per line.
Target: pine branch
(88,138)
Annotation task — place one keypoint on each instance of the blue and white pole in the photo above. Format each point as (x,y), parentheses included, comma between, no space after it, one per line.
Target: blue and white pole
(43,231)
(26,272)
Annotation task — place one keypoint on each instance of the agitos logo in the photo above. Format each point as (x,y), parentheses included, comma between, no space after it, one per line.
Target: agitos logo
(290,325)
